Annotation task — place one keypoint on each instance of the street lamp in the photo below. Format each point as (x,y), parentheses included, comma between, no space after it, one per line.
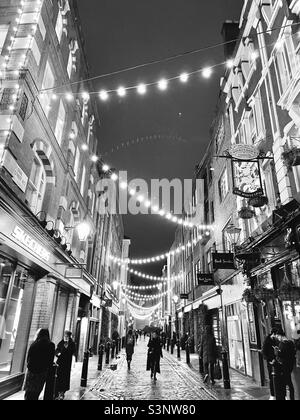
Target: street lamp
(233,234)
(83,230)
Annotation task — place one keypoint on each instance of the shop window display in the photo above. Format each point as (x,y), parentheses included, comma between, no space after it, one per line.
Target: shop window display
(12,282)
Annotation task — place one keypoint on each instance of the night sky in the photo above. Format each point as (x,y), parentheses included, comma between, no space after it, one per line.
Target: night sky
(126,33)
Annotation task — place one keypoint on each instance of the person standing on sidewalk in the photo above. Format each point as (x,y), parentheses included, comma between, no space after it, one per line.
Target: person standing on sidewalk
(154,355)
(129,347)
(269,355)
(65,353)
(208,353)
(39,362)
(286,358)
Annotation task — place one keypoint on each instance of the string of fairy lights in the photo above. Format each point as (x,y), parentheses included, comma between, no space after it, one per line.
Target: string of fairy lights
(162,257)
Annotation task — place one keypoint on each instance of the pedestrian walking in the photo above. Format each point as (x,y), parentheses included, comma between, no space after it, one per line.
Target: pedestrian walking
(129,348)
(136,336)
(286,358)
(297,344)
(154,355)
(65,353)
(208,353)
(39,362)
(268,352)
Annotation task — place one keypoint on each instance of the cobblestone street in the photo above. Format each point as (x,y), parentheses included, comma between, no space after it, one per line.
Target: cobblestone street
(176,382)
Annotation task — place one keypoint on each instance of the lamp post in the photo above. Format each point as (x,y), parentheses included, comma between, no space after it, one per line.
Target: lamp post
(84,229)
(233,235)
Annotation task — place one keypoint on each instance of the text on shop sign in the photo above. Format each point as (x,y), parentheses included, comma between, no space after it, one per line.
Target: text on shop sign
(30,243)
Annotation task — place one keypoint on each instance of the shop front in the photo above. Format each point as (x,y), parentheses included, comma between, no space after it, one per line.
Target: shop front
(34,293)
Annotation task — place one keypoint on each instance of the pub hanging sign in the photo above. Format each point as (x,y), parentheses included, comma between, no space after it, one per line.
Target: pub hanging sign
(223,261)
(246,174)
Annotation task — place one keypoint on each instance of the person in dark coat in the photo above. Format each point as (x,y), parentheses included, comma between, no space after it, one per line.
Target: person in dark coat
(129,345)
(154,355)
(269,355)
(39,362)
(208,353)
(65,352)
(286,359)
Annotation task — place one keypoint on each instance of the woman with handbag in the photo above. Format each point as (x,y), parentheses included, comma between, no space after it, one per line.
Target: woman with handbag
(208,353)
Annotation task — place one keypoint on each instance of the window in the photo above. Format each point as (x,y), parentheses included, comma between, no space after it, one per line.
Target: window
(3,36)
(70,65)
(76,164)
(59,26)
(223,185)
(36,186)
(83,181)
(284,64)
(48,83)
(60,123)
(12,284)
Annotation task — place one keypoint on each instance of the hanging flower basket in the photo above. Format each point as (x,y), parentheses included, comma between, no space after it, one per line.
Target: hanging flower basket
(246,213)
(288,292)
(258,201)
(291,157)
(263,293)
(249,296)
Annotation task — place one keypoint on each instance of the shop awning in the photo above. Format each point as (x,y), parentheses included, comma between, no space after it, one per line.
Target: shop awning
(188,308)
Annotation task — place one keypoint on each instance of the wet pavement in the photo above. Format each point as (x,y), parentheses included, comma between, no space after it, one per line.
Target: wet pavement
(176,382)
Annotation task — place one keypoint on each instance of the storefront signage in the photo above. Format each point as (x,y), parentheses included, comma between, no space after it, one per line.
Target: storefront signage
(32,245)
(184,296)
(74,273)
(244,152)
(244,194)
(205,279)
(18,176)
(223,261)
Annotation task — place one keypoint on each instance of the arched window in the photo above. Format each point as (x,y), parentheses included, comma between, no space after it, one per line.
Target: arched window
(36,185)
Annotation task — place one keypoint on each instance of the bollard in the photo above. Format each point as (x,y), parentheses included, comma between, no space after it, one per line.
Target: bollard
(201,367)
(117,347)
(172,346)
(226,376)
(168,344)
(85,366)
(107,352)
(113,348)
(100,360)
(178,349)
(187,349)
(279,386)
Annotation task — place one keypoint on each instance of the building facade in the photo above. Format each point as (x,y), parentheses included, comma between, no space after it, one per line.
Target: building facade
(250,194)
(49,277)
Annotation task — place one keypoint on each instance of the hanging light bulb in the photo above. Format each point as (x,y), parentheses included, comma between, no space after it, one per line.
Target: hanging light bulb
(163,84)
(103,95)
(207,72)
(142,89)
(121,91)
(184,77)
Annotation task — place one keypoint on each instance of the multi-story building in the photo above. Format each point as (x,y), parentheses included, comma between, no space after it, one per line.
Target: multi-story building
(251,191)
(48,176)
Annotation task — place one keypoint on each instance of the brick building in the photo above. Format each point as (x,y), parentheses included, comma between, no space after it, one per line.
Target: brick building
(50,276)
(251,192)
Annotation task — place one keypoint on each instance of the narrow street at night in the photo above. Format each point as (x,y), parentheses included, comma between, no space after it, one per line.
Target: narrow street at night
(176,382)
(149,201)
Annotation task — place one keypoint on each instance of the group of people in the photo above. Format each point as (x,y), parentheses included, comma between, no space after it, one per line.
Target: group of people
(154,352)
(40,362)
(280,354)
